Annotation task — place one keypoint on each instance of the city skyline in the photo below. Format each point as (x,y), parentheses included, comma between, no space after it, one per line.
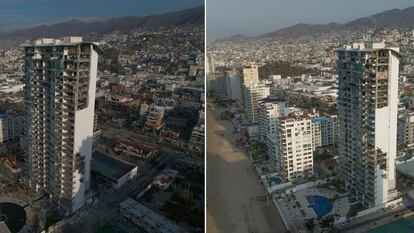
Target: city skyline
(100,119)
(216,116)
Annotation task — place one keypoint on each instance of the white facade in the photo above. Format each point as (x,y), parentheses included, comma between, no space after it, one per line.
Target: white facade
(368,130)
(277,80)
(269,111)
(60,86)
(252,94)
(324,131)
(292,150)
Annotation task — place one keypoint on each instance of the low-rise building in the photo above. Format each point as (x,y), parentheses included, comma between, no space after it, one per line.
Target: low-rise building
(197,137)
(165,178)
(11,126)
(137,149)
(406,129)
(147,219)
(117,171)
(155,117)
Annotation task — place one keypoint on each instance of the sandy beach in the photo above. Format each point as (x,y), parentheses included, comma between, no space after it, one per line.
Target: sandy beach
(233,187)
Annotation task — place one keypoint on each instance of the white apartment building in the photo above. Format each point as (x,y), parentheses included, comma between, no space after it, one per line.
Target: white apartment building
(367,121)
(290,148)
(233,85)
(324,131)
(268,111)
(11,126)
(252,94)
(59,94)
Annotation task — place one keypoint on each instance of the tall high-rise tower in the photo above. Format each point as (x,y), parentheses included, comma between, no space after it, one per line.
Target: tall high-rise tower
(252,94)
(60,83)
(367,106)
(251,74)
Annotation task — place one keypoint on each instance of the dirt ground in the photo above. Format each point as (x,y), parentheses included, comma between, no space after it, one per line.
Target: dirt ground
(233,186)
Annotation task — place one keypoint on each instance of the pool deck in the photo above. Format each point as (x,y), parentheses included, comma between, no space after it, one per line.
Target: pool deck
(291,210)
(20,203)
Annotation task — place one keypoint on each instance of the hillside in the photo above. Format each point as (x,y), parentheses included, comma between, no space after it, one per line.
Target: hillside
(188,17)
(395,18)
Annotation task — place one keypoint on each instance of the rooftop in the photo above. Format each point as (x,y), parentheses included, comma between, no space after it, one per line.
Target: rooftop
(150,217)
(406,168)
(109,167)
(294,117)
(67,41)
(369,47)
(318,120)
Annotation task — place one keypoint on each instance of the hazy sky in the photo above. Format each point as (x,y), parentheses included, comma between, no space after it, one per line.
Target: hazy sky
(253,17)
(28,12)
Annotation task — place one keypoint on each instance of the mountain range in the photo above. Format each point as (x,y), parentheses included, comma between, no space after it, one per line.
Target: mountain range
(395,18)
(188,17)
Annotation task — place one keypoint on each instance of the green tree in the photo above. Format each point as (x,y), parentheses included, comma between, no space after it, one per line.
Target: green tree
(310,224)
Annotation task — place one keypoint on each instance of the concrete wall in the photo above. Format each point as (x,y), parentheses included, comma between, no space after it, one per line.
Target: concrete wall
(125,178)
(83,135)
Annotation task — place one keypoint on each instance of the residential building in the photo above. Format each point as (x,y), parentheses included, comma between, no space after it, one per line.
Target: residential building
(367,121)
(227,86)
(197,137)
(324,131)
(11,126)
(269,110)
(290,148)
(253,132)
(233,85)
(210,64)
(252,94)
(407,125)
(59,94)
(220,86)
(155,117)
(251,74)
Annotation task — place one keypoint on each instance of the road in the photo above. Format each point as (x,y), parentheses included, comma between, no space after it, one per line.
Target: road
(107,208)
(233,186)
(374,220)
(149,139)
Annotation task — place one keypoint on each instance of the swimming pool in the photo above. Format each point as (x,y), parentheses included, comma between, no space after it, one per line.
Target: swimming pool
(13,215)
(321,205)
(276,179)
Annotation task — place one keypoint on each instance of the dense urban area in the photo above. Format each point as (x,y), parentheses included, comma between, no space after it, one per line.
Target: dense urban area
(142,146)
(323,120)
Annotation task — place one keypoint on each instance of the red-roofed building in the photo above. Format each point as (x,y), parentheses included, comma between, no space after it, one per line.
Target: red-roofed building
(165,178)
(138,149)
